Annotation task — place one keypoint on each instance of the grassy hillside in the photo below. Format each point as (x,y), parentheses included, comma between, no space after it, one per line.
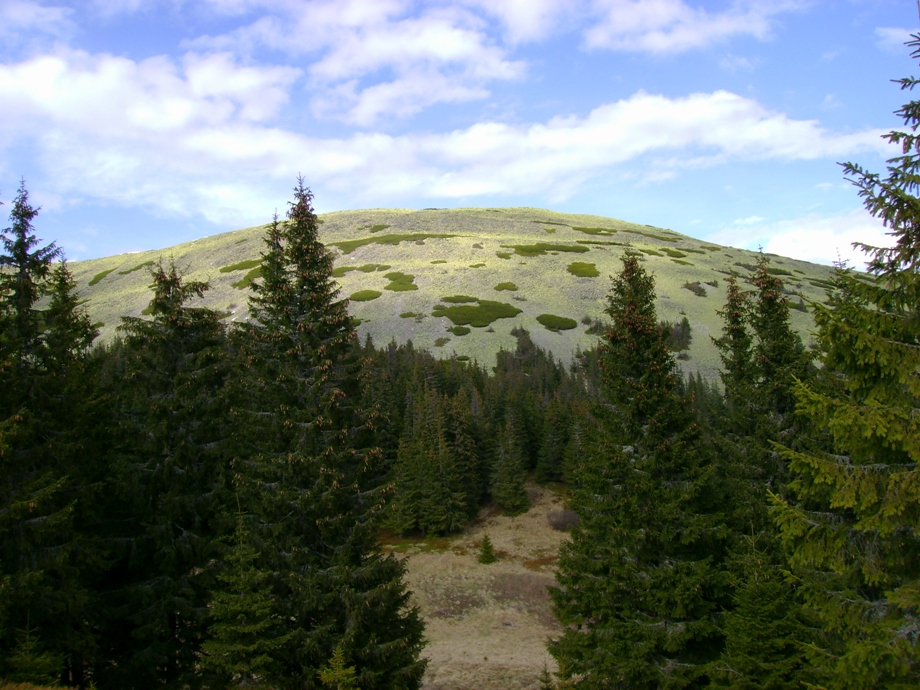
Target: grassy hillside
(459,280)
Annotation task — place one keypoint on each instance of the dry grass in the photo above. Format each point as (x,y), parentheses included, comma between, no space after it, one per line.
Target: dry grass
(487,625)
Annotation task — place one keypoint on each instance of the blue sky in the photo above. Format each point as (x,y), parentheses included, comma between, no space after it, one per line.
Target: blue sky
(140,124)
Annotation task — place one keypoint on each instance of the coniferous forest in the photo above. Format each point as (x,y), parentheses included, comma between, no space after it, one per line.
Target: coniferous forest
(197,505)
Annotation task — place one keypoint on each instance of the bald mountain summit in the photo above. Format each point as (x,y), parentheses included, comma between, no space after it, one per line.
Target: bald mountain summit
(458,281)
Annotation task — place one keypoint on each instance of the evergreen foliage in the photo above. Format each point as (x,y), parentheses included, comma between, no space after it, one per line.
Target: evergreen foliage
(486,551)
(641,581)
(307,462)
(851,528)
(508,473)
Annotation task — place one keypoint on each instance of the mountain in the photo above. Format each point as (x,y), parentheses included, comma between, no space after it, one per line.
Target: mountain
(457,281)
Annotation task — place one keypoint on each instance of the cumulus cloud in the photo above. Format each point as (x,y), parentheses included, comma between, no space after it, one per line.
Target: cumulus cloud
(674,26)
(818,238)
(892,39)
(377,60)
(24,22)
(201,133)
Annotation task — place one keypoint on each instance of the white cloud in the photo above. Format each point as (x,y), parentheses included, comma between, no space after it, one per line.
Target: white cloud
(22,21)
(674,26)
(200,136)
(377,59)
(530,20)
(892,39)
(818,238)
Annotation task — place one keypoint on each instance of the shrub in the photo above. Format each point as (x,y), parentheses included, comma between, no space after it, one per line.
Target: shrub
(480,315)
(503,255)
(240,266)
(594,231)
(562,520)
(673,253)
(682,262)
(557,323)
(378,227)
(459,330)
(458,299)
(441,342)
(364,295)
(247,279)
(348,246)
(400,282)
(99,276)
(408,315)
(136,268)
(506,286)
(583,270)
(651,252)
(695,288)
(439,261)
(477,265)
(543,247)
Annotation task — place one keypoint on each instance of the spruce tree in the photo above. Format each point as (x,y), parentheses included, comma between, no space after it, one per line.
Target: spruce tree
(641,580)
(307,461)
(509,476)
(486,551)
(851,527)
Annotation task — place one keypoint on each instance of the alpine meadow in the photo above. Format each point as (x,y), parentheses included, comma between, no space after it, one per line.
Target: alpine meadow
(463,448)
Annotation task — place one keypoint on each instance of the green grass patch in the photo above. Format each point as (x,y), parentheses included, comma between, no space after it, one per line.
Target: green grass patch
(459,330)
(480,265)
(656,236)
(247,279)
(583,270)
(348,246)
(673,253)
(100,276)
(682,262)
(400,282)
(543,247)
(557,323)
(503,255)
(241,266)
(439,261)
(480,315)
(364,295)
(378,227)
(778,271)
(651,252)
(459,299)
(594,231)
(508,285)
(136,268)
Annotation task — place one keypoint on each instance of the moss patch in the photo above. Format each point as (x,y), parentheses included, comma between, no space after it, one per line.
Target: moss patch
(508,285)
(480,315)
(247,279)
(400,282)
(348,246)
(136,268)
(459,330)
(364,295)
(544,247)
(651,252)
(366,268)
(557,323)
(656,236)
(439,261)
(458,299)
(99,276)
(673,253)
(241,266)
(594,231)
(550,230)
(682,262)
(503,255)
(478,265)
(409,315)
(441,342)
(378,227)
(583,270)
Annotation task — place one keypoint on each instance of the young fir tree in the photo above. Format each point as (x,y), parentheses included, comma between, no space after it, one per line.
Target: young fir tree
(307,462)
(641,581)
(173,421)
(45,466)
(508,473)
(429,484)
(852,529)
(486,551)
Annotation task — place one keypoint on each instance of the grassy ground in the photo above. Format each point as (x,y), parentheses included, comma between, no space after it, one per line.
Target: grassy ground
(439,253)
(487,625)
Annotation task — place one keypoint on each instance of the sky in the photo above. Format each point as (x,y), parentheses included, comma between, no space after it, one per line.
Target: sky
(139,124)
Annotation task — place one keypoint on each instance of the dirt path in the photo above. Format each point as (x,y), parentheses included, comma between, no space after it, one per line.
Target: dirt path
(487,625)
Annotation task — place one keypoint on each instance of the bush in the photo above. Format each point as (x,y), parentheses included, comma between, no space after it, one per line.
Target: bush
(247,279)
(583,270)
(364,295)
(695,288)
(400,282)
(480,315)
(239,266)
(99,276)
(459,330)
(562,520)
(506,286)
(458,299)
(557,323)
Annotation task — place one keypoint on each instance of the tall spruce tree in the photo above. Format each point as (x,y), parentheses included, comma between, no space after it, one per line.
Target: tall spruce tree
(509,475)
(641,581)
(852,529)
(306,458)
(44,466)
